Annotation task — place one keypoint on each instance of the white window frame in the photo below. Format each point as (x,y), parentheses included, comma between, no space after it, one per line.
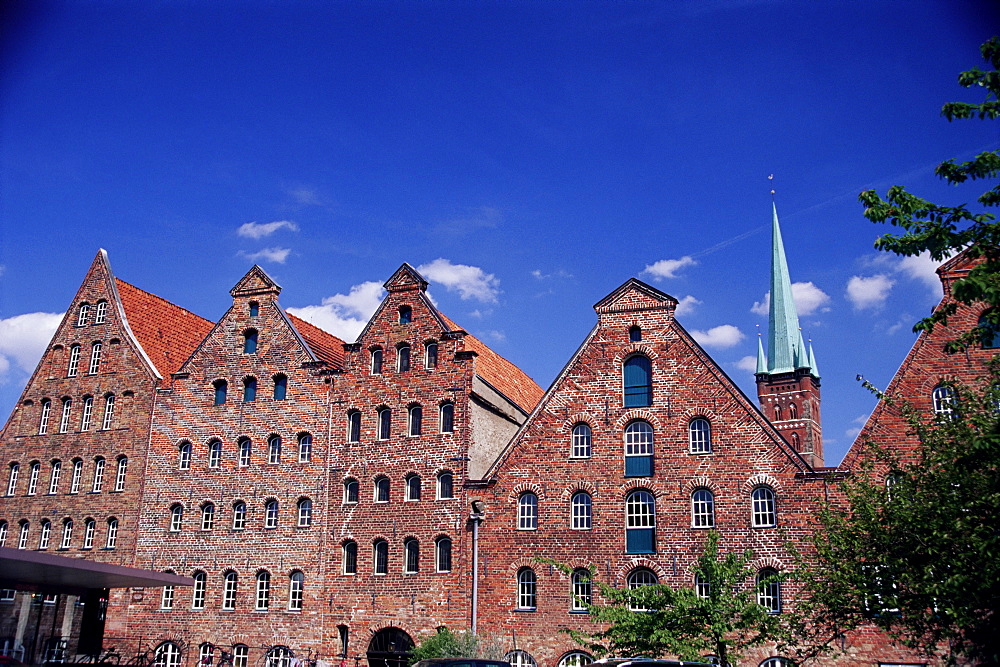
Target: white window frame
(246,452)
(88,413)
(67,534)
(442,553)
(527,589)
(527,511)
(120,473)
(34,472)
(382,490)
(582,441)
(168,596)
(43,421)
(582,511)
(239,515)
(765,513)
(305,509)
(305,447)
(214,453)
(74,361)
(296,590)
(77,478)
(101,312)
(445,489)
(271,510)
(176,518)
(67,411)
(263,597)
(208,516)
(700,436)
(89,532)
(702,508)
(413,484)
(109,412)
(98,481)
(14,469)
(112,538)
(184,456)
(580,590)
(54,477)
(274,450)
(230,584)
(95,359)
(83,315)
(44,534)
(198,590)
(22,538)
(415,420)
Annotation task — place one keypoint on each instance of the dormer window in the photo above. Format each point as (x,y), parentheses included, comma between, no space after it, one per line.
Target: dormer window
(405,314)
(634,334)
(249,341)
(254,309)
(84,315)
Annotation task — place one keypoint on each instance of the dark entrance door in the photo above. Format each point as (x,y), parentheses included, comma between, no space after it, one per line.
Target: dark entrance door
(390,647)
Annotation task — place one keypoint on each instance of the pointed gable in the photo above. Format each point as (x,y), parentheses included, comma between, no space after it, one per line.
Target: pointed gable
(406,278)
(635,295)
(256,283)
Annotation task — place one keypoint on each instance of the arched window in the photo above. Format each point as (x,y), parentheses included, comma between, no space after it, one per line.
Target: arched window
(74,482)
(405,314)
(98,483)
(296,590)
(702,586)
(305,447)
(43,422)
(263,590)
(579,590)
(526,589)
(249,390)
(280,387)
(943,398)
(702,509)
(634,334)
(230,584)
(777,413)
(15,468)
(638,578)
(44,534)
(777,662)
(241,655)
(520,659)
(447,417)
(214,453)
(639,449)
(101,314)
(764,515)
(351,491)
(274,449)
(353,426)
(112,537)
(246,449)
(239,515)
(25,529)
(120,472)
(430,354)
(581,444)
(305,512)
(109,412)
(796,442)
(527,511)
(221,387)
(74,361)
(442,554)
(278,656)
(249,341)
(793,411)
(700,436)
(582,511)
(198,590)
(416,419)
(95,359)
(176,517)
(254,308)
(34,472)
(167,595)
(3,533)
(403,357)
(445,488)
(67,410)
(83,315)
(990,342)
(381,489)
(184,456)
(271,514)
(576,659)
(350,557)
(167,655)
(89,530)
(54,477)
(88,413)
(380,559)
(411,555)
(413,487)
(640,522)
(769,590)
(384,423)
(208,516)
(377,361)
(638,381)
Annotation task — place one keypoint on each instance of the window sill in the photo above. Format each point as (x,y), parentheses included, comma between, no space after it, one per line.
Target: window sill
(529,610)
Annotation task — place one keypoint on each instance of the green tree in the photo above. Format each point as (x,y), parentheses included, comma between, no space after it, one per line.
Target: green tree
(461,644)
(658,620)
(916,550)
(945,230)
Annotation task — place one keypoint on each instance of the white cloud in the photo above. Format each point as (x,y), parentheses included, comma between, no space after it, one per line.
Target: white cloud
(807,297)
(854,430)
(305,196)
(686,306)
(561,273)
(276,255)
(256,230)
(494,335)
(23,339)
(471,282)
(720,337)
(921,267)
(668,268)
(871,292)
(344,315)
(747,363)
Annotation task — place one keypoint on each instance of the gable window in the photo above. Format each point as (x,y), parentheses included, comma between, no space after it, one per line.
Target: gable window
(384,423)
(88,412)
(526,589)
(582,511)
(120,474)
(296,590)
(413,487)
(221,388)
(430,354)
(445,486)
(943,399)
(274,449)
(351,489)
(230,582)
(527,511)
(83,316)
(67,535)
(411,555)
(74,361)
(769,590)
(34,472)
(112,537)
(382,489)
(15,468)
(305,513)
(214,454)
(447,417)
(442,554)
(377,361)
(638,382)
(184,456)
(239,515)
(582,440)
(640,522)
(89,529)
(207,516)
(67,409)
(46,532)
(98,483)
(702,509)
(353,426)
(403,358)
(43,422)
(700,436)
(54,478)
(639,449)
(246,449)
(634,334)
(305,447)
(380,560)
(764,515)
(271,514)
(263,590)
(101,313)
(249,341)
(415,419)
(249,390)
(109,412)
(176,518)
(95,359)
(580,590)
(349,553)
(405,314)
(280,387)
(254,308)
(74,482)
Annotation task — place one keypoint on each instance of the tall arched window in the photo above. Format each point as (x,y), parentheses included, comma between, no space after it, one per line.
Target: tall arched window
(239,515)
(702,509)
(98,482)
(74,361)
(214,453)
(526,589)
(280,387)
(167,655)
(764,515)
(249,390)
(520,659)
(89,530)
(198,590)
(305,512)
(120,473)
(43,422)
(13,471)
(411,555)
(351,489)
(582,511)
(384,423)
(639,449)
(769,590)
(34,472)
(381,489)
(176,517)
(638,578)
(263,590)
(943,399)
(793,411)
(246,450)
(111,539)
(67,410)
(249,341)
(25,529)
(45,534)
(579,590)
(271,514)
(700,436)
(416,419)
(430,354)
(380,557)
(638,381)
(109,412)
(582,440)
(403,357)
(221,388)
(447,417)
(350,557)
(208,516)
(274,449)
(77,477)
(305,447)
(527,511)
(445,485)
(54,477)
(230,584)
(640,522)
(442,554)
(413,487)
(95,359)
(353,426)
(296,590)
(101,314)
(3,533)
(377,361)
(83,315)
(88,413)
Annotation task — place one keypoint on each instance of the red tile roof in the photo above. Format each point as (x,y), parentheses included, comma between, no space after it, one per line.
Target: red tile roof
(168,333)
(325,346)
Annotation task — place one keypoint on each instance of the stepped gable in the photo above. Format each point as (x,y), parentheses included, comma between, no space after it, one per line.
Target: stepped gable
(167,332)
(503,375)
(325,346)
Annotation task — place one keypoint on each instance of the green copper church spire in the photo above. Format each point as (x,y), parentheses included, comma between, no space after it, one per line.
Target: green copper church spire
(785,347)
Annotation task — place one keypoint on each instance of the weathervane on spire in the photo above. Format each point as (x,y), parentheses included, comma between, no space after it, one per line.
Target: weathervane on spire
(771,178)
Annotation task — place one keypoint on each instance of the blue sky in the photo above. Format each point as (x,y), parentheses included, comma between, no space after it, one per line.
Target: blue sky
(528,157)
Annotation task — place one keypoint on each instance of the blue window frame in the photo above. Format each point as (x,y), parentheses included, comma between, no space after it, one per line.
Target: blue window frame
(250,341)
(254,309)
(639,449)
(280,387)
(638,375)
(640,522)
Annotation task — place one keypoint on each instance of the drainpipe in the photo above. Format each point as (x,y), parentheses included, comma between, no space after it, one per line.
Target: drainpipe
(476,517)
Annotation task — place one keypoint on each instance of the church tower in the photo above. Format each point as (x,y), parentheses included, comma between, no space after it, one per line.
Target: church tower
(787,377)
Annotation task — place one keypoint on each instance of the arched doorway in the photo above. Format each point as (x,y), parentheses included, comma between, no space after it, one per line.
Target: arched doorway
(390,647)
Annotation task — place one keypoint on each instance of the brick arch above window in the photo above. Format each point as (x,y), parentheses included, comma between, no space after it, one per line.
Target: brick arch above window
(630,416)
(645,483)
(760,479)
(579,418)
(633,349)
(520,563)
(701,483)
(526,487)
(572,488)
(765,562)
(637,562)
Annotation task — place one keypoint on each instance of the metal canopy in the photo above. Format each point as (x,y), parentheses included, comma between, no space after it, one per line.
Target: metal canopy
(48,573)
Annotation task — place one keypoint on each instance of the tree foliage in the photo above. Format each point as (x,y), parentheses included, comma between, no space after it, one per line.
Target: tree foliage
(915,549)
(461,644)
(658,620)
(944,230)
